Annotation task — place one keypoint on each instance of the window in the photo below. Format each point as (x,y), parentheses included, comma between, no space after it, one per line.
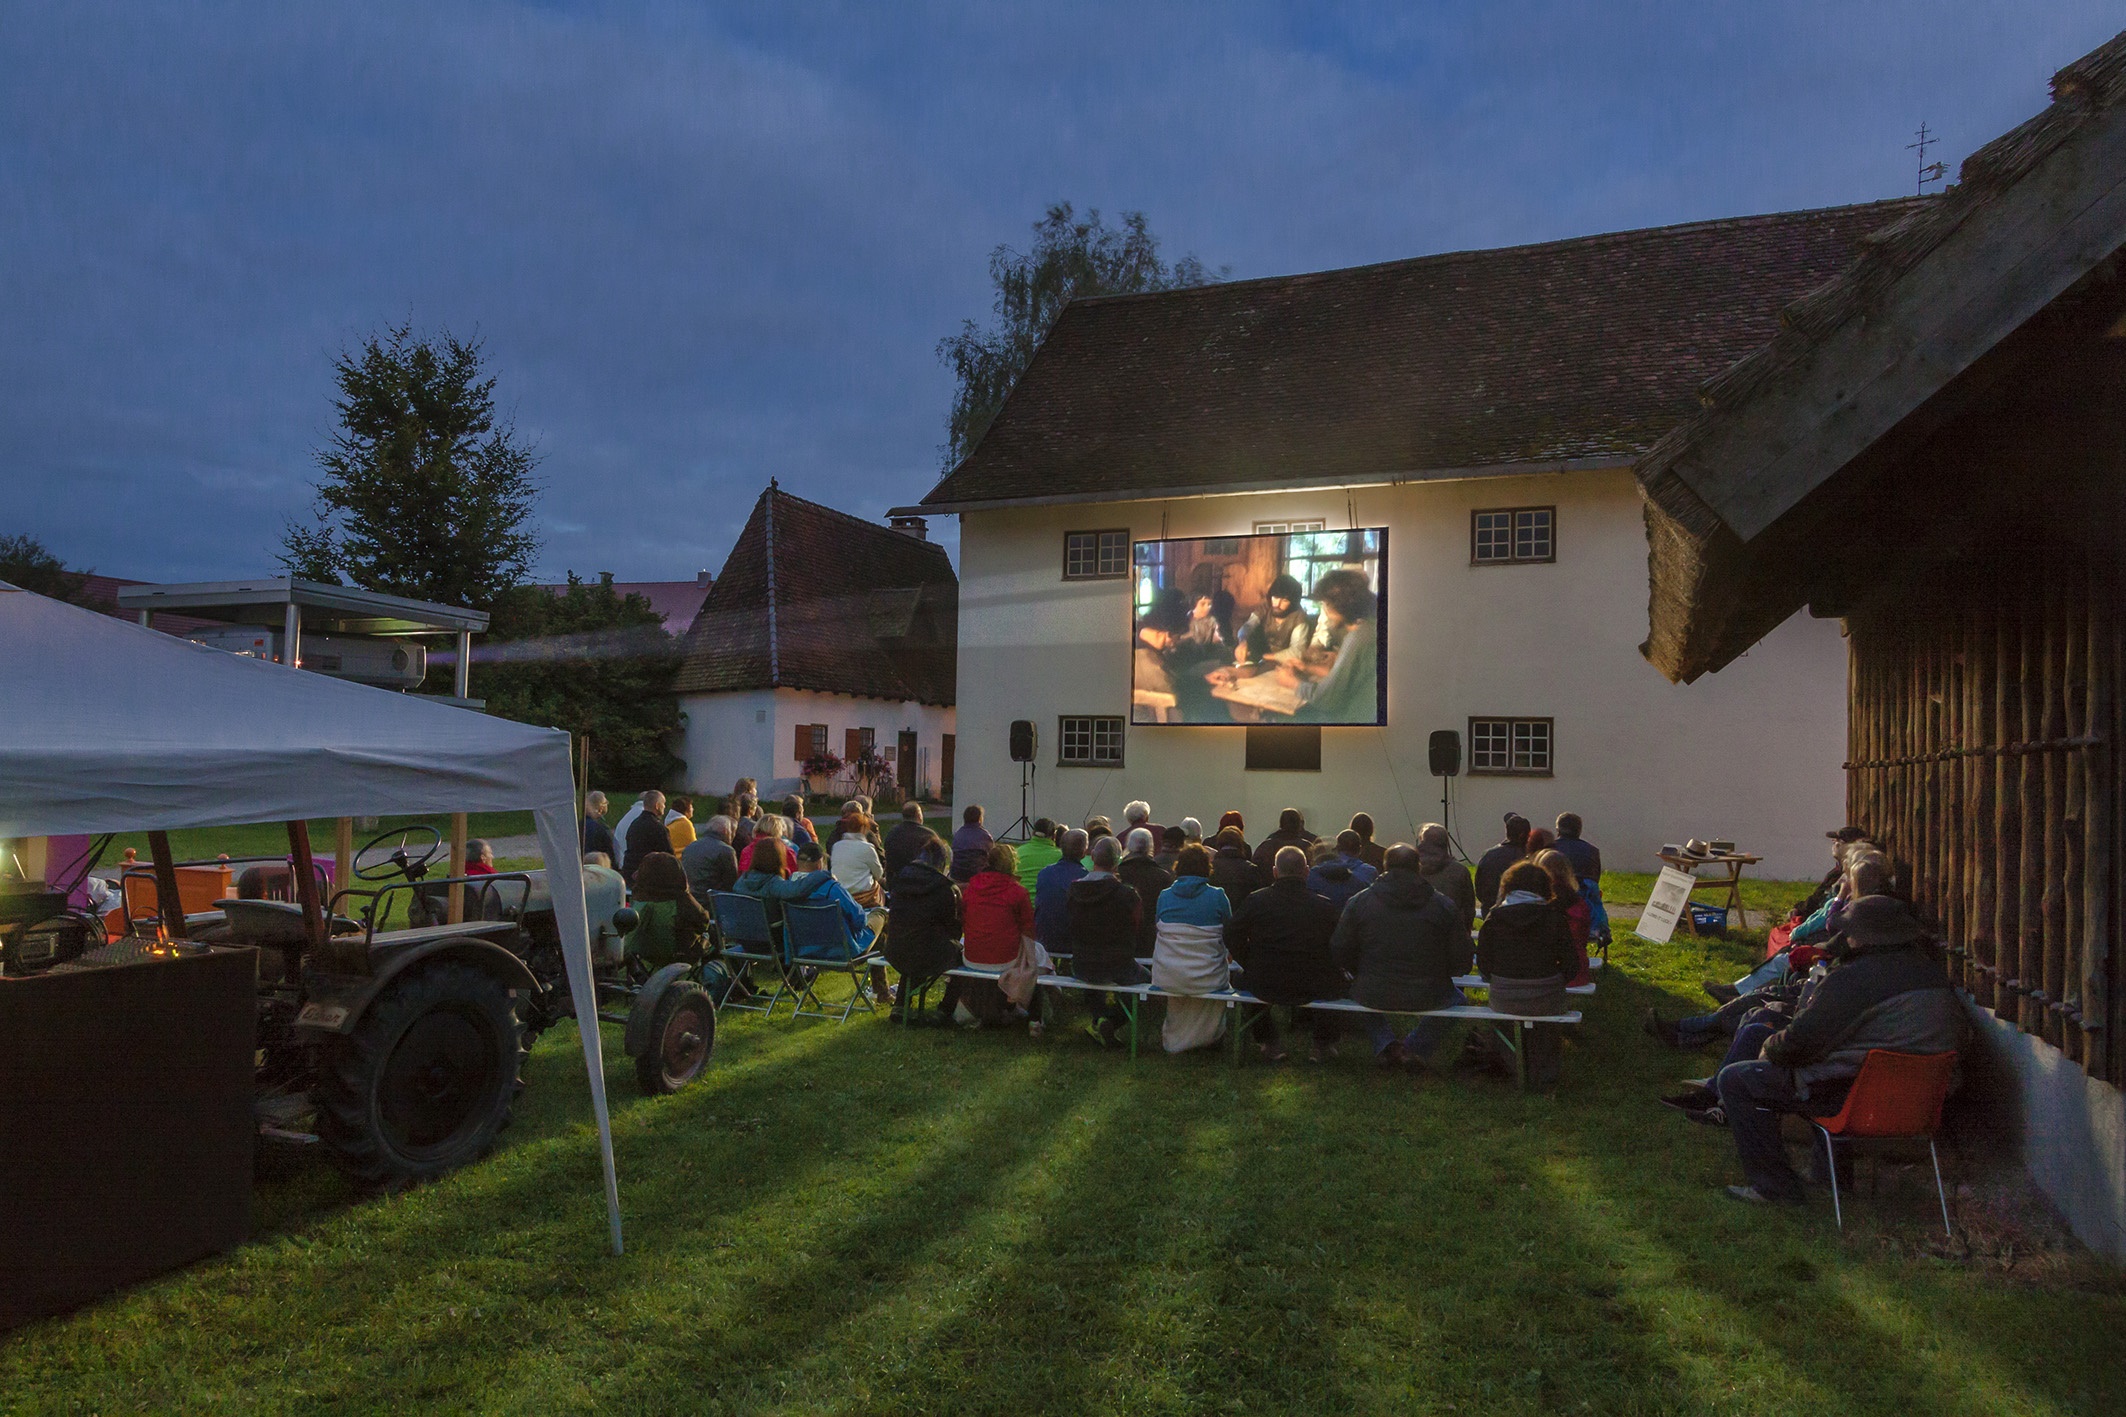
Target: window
(1222,546)
(1095,555)
(811,741)
(1510,745)
(1089,741)
(1506,536)
(858,743)
(1268,528)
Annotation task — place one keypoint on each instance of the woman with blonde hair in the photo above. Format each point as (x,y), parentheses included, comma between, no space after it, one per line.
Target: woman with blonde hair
(768,828)
(1567,900)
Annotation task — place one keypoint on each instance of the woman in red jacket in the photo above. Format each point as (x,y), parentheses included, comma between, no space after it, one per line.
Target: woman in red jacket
(997,914)
(1566,899)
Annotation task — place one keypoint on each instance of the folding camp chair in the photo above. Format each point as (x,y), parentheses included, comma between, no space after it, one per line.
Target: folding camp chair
(748,938)
(1896,1097)
(816,941)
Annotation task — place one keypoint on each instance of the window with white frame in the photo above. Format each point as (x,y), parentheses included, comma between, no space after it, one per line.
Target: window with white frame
(1095,555)
(1089,740)
(1511,746)
(1280,528)
(1506,536)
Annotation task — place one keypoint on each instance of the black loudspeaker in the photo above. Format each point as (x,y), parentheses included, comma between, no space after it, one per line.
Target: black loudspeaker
(1022,740)
(1446,753)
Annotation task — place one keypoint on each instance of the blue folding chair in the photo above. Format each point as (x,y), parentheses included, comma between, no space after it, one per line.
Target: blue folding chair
(748,939)
(817,942)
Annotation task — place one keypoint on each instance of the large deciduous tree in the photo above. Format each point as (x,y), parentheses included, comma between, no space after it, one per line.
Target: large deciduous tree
(426,491)
(1070,256)
(26,562)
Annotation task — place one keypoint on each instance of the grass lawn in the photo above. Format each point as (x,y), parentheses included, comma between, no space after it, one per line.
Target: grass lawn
(865,1219)
(271,838)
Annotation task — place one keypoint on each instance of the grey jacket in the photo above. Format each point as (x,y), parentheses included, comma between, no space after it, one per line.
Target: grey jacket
(1897,999)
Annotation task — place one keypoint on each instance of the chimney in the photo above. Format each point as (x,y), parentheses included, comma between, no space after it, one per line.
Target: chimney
(917,527)
(702,580)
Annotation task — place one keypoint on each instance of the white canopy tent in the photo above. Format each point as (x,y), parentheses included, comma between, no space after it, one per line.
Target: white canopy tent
(105,726)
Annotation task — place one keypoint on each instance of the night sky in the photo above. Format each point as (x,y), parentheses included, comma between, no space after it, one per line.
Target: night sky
(707,245)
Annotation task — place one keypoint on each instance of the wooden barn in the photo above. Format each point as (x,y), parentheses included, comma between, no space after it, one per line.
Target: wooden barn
(1933,449)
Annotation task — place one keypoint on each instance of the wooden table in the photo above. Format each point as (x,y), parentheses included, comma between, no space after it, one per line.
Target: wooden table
(1734,861)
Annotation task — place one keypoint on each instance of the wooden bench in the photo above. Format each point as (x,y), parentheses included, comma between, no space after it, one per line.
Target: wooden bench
(1132,996)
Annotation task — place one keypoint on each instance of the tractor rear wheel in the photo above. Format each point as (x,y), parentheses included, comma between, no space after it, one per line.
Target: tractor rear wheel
(682,1035)
(427,1078)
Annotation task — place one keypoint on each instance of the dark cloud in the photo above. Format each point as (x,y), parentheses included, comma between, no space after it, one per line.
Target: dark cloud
(707,245)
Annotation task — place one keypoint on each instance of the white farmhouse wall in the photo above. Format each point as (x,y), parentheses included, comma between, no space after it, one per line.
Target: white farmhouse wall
(1751,753)
(752,733)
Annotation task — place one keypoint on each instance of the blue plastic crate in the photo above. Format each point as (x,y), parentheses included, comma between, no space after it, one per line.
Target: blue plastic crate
(1709,919)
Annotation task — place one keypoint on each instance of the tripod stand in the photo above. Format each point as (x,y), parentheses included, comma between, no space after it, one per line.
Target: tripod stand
(1022,829)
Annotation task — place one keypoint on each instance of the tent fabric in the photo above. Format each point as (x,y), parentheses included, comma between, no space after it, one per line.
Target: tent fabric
(106,726)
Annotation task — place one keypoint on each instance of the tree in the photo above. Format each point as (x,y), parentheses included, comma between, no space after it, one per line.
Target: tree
(425,492)
(594,662)
(1070,257)
(25,562)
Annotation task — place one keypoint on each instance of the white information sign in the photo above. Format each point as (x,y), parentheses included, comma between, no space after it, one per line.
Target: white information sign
(1670,898)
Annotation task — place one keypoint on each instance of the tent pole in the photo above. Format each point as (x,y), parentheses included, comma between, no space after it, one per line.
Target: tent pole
(173,909)
(306,881)
(342,853)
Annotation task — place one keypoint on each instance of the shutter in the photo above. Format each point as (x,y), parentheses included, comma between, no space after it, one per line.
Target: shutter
(804,741)
(852,744)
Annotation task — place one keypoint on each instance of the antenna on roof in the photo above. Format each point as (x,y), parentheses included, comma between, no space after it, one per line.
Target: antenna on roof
(1928,171)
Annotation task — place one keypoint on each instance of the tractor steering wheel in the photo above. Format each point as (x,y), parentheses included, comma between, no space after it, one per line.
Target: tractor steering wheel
(401,861)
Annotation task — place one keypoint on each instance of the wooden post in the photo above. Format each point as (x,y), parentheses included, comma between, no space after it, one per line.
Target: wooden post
(2052,761)
(457,867)
(2030,828)
(342,854)
(305,871)
(167,902)
(2007,924)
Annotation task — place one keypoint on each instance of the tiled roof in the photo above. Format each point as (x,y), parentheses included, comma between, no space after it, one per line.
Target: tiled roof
(1591,348)
(677,601)
(812,598)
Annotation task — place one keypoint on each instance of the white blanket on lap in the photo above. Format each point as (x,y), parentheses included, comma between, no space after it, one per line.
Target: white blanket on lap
(1190,959)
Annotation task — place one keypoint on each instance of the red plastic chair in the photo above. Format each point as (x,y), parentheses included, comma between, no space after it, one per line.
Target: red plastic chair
(1895,1097)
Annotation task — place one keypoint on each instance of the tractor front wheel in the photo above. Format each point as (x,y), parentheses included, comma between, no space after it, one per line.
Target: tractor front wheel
(427,1078)
(682,1035)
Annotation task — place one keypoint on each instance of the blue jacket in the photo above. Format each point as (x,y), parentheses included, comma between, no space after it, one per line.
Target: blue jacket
(1193,900)
(828,891)
(1051,902)
(1339,878)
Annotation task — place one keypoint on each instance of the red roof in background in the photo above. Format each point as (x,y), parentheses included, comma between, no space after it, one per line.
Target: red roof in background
(677,601)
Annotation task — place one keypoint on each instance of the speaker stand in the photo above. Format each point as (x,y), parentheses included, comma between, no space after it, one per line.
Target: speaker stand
(1021,831)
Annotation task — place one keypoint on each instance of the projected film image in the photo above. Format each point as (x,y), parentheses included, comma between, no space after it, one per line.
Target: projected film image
(1279,627)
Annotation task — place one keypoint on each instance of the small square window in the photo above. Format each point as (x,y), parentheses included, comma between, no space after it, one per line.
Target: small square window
(1282,528)
(1089,740)
(1506,536)
(1095,555)
(1510,745)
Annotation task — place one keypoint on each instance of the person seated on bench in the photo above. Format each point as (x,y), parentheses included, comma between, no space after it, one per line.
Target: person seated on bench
(1280,937)
(669,919)
(1567,901)
(1238,824)
(905,840)
(970,844)
(1887,990)
(1170,843)
(998,917)
(923,913)
(1526,954)
(1369,851)
(1103,936)
(1231,869)
(1148,879)
(1436,863)
(1491,866)
(1188,953)
(1291,831)
(1403,943)
(1051,893)
(1337,872)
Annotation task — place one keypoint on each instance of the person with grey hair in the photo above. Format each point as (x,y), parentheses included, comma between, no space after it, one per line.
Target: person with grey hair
(479,857)
(1139,814)
(708,860)
(1104,919)
(647,833)
(1280,936)
(1051,893)
(597,836)
(1191,829)
(1144,875)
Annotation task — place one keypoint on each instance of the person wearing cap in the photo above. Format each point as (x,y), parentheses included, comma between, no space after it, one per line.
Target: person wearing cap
(1491,866)
(1885,990)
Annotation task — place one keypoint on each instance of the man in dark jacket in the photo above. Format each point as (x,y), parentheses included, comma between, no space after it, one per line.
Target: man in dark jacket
(1493,863)
(923,925)
(1147,878)
(597,836)
(1280,938)
(1103,936)
(1339,872)
(1232,871)
(709,862)
(1402,943)
(1051,895)
(645,834)
(905,842)
(1887,991)
(970,845)
(1436,863)
(1291,831)
(1585,856)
